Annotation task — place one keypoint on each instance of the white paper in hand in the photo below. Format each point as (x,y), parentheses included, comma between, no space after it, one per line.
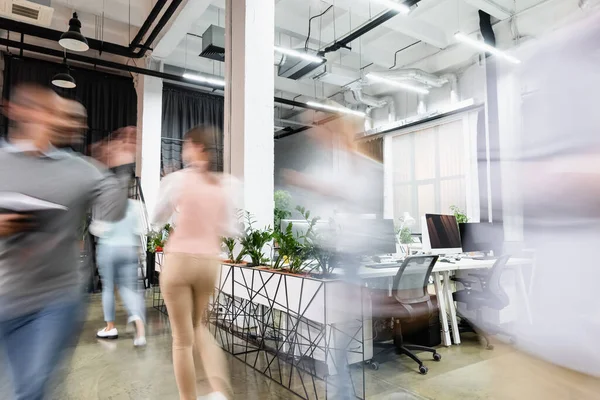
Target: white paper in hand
(22,203)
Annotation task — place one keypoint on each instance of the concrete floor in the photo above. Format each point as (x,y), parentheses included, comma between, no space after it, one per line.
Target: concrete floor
(115,370)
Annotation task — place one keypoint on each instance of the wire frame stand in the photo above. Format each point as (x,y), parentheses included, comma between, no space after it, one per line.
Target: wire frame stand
(280,325)
(158,302)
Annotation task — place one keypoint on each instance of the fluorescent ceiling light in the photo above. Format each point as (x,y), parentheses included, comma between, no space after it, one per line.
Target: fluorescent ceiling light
(342,110)
(461,37)
(392,5)
(401,85)
(299,54)
(204,79)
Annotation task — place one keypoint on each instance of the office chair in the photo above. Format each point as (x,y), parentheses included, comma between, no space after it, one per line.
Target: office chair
(491,295)
(409,302)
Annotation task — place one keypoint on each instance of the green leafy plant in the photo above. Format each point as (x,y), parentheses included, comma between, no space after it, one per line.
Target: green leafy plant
(320,245)
(405,235)
(229,243)
(157,239)
(229,248)
(460,215)
(291,250)
(282,210)
(254,241)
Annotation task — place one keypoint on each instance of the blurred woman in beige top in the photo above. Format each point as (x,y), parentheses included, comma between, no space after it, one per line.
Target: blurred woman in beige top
(200,203)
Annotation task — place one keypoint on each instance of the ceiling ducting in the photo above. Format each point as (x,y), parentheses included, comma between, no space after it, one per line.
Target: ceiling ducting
(296,67)
(213,43)
(37,12)
(336,74)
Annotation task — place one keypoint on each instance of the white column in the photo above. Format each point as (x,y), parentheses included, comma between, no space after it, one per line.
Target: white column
(249,143)
(149,94)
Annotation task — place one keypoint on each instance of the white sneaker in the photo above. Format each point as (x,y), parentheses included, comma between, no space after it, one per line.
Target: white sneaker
(139,341)
(111,334)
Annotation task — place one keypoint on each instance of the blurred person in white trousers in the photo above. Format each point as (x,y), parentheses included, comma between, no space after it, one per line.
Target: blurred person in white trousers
(559,356)
(353,190)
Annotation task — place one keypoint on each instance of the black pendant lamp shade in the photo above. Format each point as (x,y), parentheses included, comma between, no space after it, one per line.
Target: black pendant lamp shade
(73,39)
(64,80)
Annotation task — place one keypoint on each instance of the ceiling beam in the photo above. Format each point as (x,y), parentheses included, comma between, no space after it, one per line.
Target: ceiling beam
(179,27)
(491,7)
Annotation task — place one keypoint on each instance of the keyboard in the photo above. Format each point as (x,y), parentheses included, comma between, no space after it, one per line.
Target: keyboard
(396,264)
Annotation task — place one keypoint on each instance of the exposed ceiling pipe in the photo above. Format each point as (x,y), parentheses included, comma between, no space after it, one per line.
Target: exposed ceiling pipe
(112,48)
(129,68)
(372,103)
(425,78)
(417,75)
(147,24)
(344,41)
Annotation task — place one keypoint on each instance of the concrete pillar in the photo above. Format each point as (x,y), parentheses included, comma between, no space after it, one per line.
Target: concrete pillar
(149,94)
(249,76)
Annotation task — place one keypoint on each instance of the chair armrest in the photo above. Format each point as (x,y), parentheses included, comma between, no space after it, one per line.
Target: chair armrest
(465,282)
(481,276)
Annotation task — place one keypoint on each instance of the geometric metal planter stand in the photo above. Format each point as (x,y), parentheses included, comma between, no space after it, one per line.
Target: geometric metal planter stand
(290,329)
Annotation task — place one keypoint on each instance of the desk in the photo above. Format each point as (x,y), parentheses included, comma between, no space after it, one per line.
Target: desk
(441,278)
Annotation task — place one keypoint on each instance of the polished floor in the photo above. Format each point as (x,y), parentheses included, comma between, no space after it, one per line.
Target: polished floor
(115,370)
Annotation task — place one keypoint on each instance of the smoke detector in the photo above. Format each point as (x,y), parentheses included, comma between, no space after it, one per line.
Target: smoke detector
(37,12)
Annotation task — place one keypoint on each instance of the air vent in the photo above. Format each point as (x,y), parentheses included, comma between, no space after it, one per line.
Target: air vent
(36,12)
(213,43)
(25,12)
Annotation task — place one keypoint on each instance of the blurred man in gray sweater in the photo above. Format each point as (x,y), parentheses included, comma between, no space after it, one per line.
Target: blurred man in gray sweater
(40,283)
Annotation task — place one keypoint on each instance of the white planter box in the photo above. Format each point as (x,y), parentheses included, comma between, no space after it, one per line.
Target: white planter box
(315,312)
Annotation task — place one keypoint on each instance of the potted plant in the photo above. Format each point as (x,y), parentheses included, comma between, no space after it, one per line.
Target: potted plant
(155,244)
(292,253)
(404,232)
(320,245)
(459,214)
(254,241)
(229,245)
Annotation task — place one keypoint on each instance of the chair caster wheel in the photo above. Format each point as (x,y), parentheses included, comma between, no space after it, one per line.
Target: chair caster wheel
(490,347)
(374,366)
(437,357)
(423,370)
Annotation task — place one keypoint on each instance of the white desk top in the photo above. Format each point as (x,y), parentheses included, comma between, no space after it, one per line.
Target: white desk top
(463,264)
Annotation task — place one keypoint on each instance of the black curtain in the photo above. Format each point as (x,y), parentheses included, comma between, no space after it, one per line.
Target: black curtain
(110,100)
(184,109)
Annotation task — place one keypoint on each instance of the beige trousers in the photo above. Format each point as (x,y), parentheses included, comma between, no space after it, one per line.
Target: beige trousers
(186,283)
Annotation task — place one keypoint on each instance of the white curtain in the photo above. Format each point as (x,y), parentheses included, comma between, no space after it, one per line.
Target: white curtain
(433,168)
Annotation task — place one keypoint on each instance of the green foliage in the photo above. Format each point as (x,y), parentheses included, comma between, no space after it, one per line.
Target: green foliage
(228,243)
(157,239)
(254,241)
(283,202)
(319,244)
(291,250)
(460,215)
(229,247)
(405,235)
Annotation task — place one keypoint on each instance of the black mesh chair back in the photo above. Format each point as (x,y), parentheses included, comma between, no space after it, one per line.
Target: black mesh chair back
(494,288)
(412,279)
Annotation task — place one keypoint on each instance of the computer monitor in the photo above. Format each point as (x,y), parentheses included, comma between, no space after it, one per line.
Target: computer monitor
(380,236)
(441,234)
(481,237)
